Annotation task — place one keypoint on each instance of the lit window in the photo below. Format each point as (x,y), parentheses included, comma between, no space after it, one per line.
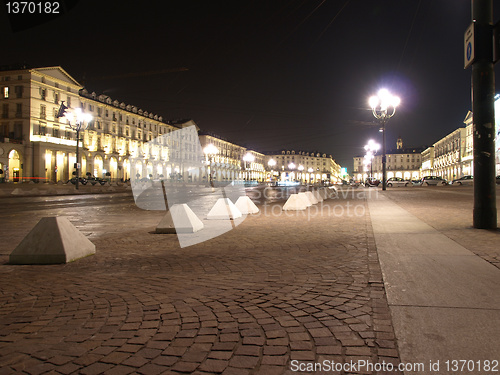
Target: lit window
(5,92)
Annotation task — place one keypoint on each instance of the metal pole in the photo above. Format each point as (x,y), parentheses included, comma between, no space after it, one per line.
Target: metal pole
(483,108)
(77,154)
(384,170)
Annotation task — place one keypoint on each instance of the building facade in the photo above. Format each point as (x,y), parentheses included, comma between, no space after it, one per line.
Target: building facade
(302,166)
(122,141)
(400,162)
(230,161)
(452,156)
(37,144)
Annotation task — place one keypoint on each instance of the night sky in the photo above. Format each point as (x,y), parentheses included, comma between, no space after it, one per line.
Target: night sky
(268,74)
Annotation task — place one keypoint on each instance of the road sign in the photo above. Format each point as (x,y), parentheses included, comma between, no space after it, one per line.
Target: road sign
(469,46)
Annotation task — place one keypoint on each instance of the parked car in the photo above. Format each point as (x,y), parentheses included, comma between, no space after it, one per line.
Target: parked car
(398,181)
(498,179)
(94,180)
(465,180)
(433,180)
(81,180)
(372,181)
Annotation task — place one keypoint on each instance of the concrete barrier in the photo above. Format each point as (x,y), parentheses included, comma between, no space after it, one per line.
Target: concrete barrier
(246,206)
(294,203)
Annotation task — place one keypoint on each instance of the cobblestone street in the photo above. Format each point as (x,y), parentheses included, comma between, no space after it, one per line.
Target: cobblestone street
(276,289)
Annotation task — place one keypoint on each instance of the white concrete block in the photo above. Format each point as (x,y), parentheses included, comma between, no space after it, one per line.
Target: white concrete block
(180,219)
(294,203)
(246,206)
(53,240)
(324,193)
(224,209)
(311,197)
(18,191)
(318,196)
(35,191)
(305,198)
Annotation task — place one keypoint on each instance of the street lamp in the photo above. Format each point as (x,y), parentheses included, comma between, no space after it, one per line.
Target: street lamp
(271,164)
(248,158)
(383,106)
(311,175)
(210,150)
(301,169)
(81,123)
(371,149)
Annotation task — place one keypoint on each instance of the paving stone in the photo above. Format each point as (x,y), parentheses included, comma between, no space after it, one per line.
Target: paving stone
(245,302)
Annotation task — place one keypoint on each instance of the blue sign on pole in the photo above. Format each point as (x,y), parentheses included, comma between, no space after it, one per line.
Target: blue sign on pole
(469,46)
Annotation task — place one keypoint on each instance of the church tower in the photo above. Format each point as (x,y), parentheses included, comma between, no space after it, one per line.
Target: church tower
(399,143)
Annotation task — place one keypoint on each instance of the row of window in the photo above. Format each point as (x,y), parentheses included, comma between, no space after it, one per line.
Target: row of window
(18,92)
(18,113)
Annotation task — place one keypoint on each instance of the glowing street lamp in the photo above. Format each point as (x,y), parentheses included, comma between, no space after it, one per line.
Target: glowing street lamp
(383,106)
(300,168)
(248,158)
(272,164)
(210,150)
(371,149)
(311,175)
(81,123)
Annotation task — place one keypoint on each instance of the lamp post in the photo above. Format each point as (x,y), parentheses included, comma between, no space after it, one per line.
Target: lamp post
(210,150)
(311,175)
(301,169)
(383,106)
(248,158)
(371,149)
(81,122)
(271,164)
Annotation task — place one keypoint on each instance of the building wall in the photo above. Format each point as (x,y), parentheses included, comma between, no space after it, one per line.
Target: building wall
(121,141)
(404,163)
(306,167)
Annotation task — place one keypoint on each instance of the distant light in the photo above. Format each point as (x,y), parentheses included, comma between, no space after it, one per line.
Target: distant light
(210,149)
(373,101)
(271,162)
(248,157)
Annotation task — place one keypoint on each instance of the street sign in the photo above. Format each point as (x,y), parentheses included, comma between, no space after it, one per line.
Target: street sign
(469,46)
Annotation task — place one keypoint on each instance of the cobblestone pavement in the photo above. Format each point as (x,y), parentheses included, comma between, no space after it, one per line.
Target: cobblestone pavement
(449,210)
(276,289)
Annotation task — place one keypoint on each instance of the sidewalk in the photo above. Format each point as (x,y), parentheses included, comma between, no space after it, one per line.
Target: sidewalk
(444,299)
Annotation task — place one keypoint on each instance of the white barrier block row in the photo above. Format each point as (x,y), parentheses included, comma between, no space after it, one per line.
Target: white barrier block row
(246,206)
(305,198)
(179,219)
(318,196)
(53,240)
(294,203)
(311,197)
(224,209)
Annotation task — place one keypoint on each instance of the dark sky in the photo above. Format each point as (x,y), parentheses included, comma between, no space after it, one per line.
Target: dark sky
(268,74)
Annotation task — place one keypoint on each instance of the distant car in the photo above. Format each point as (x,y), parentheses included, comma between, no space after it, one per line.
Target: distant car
(398,181)
(81,180)
(465,180)
(94,180)
(433,180)
(372,181)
